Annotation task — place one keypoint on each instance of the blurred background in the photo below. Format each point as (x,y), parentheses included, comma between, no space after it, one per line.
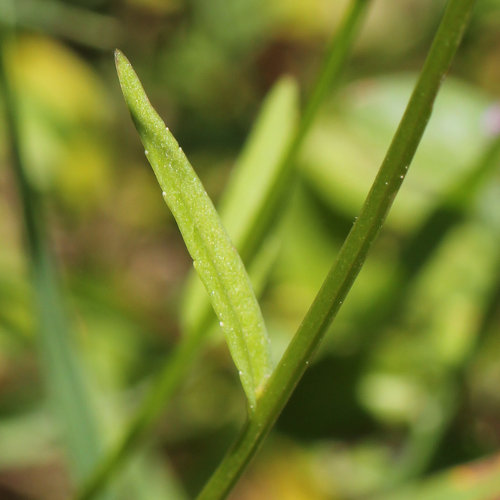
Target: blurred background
(405,384)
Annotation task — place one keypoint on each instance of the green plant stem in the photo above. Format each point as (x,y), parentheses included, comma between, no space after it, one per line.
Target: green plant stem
(63,376)
(388,306)
(351,256)
(419,248)
(190,346)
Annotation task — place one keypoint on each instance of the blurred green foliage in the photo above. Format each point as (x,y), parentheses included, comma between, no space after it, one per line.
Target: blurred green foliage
(409,384)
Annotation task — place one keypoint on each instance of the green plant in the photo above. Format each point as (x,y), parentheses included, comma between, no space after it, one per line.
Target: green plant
(235,250)
(222,271)
(248,221)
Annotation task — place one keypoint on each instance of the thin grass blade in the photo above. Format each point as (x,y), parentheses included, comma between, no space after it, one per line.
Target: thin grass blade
(62,369)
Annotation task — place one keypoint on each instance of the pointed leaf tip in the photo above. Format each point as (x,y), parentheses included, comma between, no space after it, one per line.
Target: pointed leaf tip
(120,59)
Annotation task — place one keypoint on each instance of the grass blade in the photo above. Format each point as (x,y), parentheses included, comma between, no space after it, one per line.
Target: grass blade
(260,161)
(214,256)
(63,373)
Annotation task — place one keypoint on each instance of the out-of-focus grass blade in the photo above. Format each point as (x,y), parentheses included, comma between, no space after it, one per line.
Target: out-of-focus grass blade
(62,370)
(259,163)
(255,171)
(214,256)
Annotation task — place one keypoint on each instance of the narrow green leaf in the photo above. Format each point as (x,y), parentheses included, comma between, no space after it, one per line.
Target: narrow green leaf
(261,160)
(214,256)
(254,175)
